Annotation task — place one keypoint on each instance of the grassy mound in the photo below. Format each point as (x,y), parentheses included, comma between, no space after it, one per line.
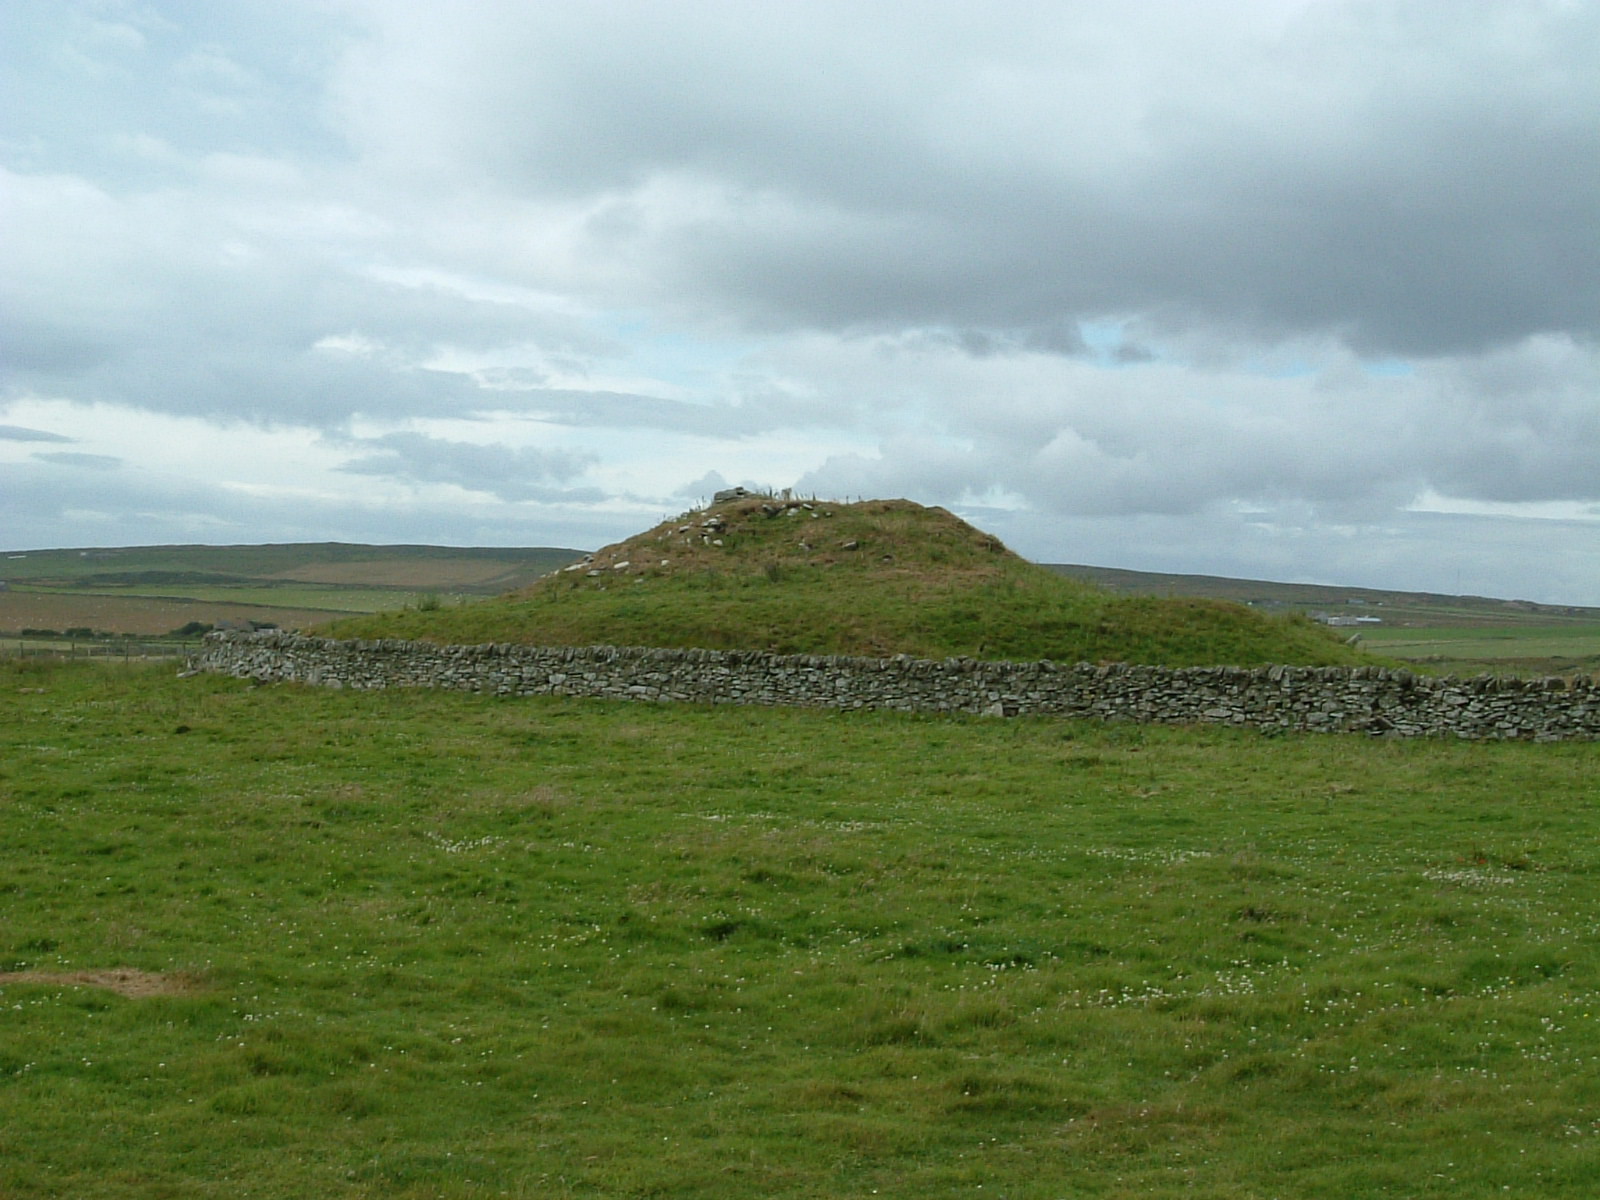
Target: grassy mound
(877,578)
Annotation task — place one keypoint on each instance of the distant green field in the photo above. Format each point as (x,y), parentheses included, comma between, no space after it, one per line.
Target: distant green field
(326,597)
(273,560)
(148,591)
(1526,649)
(1443,634)
(281,942)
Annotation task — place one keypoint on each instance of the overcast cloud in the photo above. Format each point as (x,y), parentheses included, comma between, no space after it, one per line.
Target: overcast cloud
(1299,289)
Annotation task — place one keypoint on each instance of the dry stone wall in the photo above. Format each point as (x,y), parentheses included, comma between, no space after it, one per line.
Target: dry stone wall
(1323,699)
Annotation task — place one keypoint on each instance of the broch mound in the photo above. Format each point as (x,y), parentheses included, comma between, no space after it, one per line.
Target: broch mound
(873,578)
(756,533)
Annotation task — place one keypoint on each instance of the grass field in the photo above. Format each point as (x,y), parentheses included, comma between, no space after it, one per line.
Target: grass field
(140,615)
(1530,648)
(1457,635)
(275,942)
(489,569)
(306,597)
(151,590)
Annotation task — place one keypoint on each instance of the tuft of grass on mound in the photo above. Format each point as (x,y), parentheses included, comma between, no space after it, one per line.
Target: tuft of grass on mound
(874,578)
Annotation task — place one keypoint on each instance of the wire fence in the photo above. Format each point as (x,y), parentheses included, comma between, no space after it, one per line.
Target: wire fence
(86,648)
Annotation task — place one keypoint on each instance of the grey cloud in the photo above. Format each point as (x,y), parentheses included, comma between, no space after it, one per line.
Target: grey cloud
(138,509)
(759,412)
(18,433)
(1523,424)
(1063,337)
(263,365)
(620,410)
(1283,538)
(230,77)
(511,474)
(701,489)
(1407,551)
(88,462)
(913,220)
(1414,178)
(120,508)
(36,347)
(1081,441)
(182,307)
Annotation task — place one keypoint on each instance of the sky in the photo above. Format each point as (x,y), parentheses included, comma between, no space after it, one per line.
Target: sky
(1304,290)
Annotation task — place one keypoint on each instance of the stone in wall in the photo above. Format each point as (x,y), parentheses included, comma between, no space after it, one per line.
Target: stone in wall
(1279,698)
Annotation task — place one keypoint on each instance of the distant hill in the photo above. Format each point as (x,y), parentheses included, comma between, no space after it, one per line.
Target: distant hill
(1458,635)
(153,590)
(878,577)
(478,569)
(148,591)
(1266,594)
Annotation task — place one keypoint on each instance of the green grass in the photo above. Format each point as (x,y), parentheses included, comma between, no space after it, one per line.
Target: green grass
(424,944)
(876,578)
(1531,649)
(325,597)
(1448,635)
(1018,616)
(306,560)
(149,590)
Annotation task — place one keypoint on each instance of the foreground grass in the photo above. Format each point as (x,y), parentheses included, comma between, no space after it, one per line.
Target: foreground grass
(408,944)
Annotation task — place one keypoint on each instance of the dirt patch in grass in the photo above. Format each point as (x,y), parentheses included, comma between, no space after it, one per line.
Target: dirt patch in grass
(125,981)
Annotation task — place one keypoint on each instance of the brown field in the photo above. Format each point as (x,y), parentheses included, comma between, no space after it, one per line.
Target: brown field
(145,616)
(420,574)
